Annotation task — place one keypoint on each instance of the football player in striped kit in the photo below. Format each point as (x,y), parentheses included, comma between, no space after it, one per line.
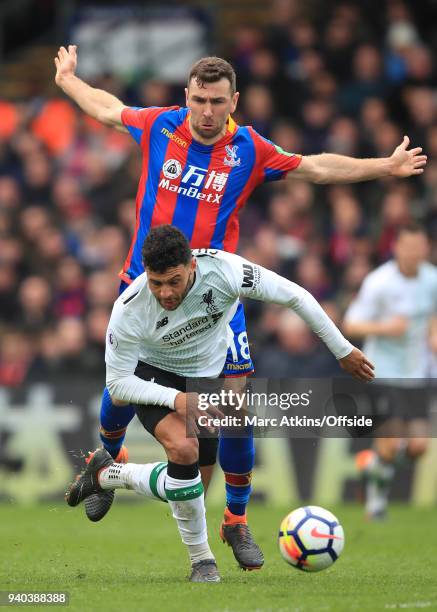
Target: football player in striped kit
(199,169)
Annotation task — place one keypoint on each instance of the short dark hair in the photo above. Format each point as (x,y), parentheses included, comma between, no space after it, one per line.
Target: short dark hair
(411,228)
(165,247)
(211,70)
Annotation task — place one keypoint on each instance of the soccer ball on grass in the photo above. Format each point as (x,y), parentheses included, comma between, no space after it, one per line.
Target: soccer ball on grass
(311,538)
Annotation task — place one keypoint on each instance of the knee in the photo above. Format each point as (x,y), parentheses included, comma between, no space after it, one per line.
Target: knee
(206,472)
(184,451)
(416,447)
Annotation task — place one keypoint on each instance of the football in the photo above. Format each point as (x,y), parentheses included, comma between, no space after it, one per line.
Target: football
(311,538)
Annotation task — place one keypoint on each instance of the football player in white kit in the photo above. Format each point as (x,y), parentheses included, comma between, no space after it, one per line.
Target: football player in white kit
(394,312)
(172,324)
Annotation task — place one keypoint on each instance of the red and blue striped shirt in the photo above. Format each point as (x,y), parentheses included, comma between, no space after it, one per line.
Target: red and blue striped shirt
(198,188)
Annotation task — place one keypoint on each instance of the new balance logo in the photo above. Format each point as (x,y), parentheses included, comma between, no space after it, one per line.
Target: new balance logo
(247,276)
(161,323)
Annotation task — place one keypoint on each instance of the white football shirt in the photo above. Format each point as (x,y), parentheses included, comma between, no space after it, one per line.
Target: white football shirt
(193,339)
(386,293)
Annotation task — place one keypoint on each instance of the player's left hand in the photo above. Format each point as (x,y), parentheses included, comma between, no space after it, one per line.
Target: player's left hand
(407,162)
(357,365)
(187,407)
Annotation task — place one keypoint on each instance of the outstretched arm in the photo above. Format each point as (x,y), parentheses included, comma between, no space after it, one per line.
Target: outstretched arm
(391,328)
(357,365)
(97,103)
(363,317)
(332,168)
(253,281)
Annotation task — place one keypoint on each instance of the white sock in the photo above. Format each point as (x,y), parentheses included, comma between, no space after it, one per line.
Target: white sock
(380,475)
(199,552)
(145,479)
(187,501)
(185,498)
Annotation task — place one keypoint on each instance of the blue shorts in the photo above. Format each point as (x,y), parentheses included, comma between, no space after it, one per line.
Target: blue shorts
(238,361)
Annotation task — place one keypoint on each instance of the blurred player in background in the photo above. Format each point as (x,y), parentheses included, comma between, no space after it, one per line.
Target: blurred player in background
(396,314)
(199,169)
(145,368)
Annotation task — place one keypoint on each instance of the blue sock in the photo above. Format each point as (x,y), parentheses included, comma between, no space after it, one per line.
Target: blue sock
(113,423)
(237,457)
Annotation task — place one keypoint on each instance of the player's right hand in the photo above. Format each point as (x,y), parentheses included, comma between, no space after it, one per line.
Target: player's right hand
(357,365)
(66,63)
(187,407)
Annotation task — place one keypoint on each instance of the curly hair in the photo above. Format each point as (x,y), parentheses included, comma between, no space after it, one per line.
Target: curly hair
(165,247)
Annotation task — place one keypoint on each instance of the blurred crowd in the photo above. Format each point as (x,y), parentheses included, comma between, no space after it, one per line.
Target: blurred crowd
(343,84)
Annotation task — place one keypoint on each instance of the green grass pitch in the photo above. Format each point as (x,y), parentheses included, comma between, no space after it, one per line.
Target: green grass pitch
(134,560)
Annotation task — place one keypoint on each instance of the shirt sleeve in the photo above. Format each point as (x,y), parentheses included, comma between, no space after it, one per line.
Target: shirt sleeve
(275,163)
(367,305)
(121,356)
(252,281)
(139,120)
